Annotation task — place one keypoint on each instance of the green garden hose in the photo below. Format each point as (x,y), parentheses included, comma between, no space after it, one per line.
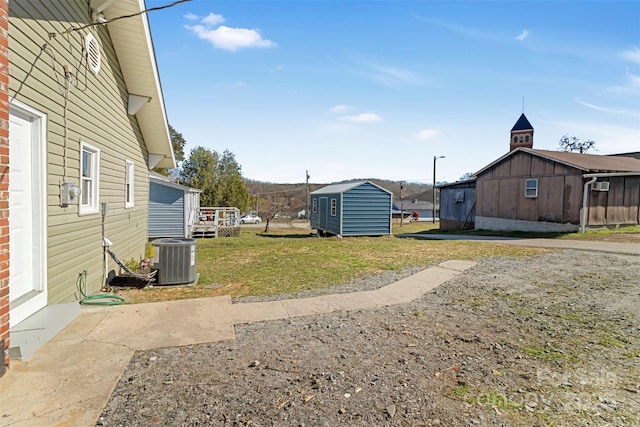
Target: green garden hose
(99,299)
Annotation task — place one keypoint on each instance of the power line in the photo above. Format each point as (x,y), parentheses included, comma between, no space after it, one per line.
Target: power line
(93,24)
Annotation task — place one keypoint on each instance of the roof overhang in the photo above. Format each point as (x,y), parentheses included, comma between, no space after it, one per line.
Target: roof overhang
(163,180)
(133,45)
(531,152)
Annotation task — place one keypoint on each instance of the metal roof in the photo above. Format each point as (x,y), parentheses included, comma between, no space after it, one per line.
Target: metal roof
(134,48)
(344,187)
(588,163)
(164,180)
(522,124)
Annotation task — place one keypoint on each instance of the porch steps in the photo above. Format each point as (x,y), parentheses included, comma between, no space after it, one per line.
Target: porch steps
(33,332)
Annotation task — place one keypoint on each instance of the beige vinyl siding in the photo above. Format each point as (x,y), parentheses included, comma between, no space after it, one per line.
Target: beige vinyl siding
(97,116)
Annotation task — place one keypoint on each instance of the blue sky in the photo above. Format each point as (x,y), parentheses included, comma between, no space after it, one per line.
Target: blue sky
(375,89)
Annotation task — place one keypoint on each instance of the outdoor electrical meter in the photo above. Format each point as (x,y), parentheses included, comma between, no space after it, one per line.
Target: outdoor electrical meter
(69,194)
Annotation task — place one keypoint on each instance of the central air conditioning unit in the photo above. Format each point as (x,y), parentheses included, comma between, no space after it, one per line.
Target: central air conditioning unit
(175,260)
(600,186)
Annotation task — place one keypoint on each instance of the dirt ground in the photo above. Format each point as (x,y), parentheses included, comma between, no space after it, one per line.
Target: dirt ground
(551,340)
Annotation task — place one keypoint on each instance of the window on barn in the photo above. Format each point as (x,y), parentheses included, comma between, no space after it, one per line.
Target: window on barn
(531,187)
(334,207)
(314,206)
(89,170)
(526,138)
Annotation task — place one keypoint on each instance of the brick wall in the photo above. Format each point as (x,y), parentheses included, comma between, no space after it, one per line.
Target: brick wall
(4,183)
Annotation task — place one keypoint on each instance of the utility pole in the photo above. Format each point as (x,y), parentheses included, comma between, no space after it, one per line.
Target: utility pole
(307,212)
(401,203)
(434,187)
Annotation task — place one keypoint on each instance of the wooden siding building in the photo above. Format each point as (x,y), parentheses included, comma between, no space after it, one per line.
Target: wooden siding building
(352,209)
(87,124)
(540,190)
(173,208)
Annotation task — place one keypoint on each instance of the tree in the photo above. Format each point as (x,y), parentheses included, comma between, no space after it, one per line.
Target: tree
(219,178)
(466,176)
(177,143)
(571,144)
(230,187)
(199,171)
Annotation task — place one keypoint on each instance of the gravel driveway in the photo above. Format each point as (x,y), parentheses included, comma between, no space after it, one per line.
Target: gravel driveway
(547,340)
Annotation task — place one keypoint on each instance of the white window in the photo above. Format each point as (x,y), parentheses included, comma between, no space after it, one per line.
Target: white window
(334,208)
(128,184)
(89,177)
(314,206)
(531,188)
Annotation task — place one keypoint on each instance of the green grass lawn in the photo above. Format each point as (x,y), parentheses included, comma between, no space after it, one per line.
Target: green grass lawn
(290,260)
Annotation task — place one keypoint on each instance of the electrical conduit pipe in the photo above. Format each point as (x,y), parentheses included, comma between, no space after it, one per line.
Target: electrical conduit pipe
(585,198)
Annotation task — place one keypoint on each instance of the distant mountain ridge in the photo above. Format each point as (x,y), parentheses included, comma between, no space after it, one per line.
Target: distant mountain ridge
(288,200)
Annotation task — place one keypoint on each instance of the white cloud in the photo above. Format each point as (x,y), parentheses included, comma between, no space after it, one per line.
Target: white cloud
(361,118)
(605,109)
(231,39)
(632,55)
(387,75)
(191,16)
(391,76)
(458,28)
(631,88)
(212,19)
(425,134)
(523,35)
(340,109)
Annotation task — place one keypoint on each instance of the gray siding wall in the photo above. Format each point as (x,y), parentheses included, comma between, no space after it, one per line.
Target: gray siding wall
(366,211)
(166,211)
(457,207)
(96,114)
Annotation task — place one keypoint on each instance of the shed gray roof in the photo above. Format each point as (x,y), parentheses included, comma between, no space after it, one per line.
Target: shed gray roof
(343,187)
(163,180)
(588,163)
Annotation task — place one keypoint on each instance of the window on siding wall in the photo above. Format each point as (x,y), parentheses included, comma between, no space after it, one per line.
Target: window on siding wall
(89,178)
(334,208)
(128,184)
(314,206)
(531,188)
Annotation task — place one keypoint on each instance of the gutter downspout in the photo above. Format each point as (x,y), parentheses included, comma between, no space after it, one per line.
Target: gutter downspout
(585,193)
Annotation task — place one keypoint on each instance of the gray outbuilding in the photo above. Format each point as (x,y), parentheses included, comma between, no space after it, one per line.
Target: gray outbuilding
(458,205)
(353,209)
(173,208)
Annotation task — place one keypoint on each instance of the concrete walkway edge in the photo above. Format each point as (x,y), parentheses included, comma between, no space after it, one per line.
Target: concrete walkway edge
(69,380)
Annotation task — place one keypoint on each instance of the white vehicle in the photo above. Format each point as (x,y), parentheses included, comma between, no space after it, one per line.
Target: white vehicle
(250,219)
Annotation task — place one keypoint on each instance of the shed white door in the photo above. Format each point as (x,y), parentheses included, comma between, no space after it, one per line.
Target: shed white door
(27,290)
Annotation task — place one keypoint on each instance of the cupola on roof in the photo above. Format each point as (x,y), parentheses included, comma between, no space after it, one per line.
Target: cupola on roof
(522,124)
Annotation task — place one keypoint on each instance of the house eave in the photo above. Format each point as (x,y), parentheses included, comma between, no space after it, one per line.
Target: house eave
(133,45)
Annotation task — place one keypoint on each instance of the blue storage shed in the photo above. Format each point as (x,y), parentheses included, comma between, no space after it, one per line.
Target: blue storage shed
(352,209)
(173,208)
